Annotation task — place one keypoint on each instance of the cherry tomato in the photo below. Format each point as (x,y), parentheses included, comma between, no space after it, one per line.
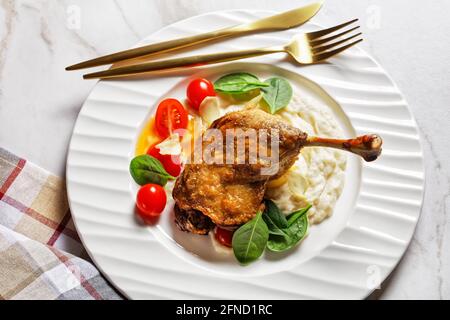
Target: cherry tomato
(224,236)
(198,90)
(170,116)
(171,163)
(151,201)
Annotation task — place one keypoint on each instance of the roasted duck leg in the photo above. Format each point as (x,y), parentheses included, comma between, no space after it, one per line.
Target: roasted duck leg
(229,195)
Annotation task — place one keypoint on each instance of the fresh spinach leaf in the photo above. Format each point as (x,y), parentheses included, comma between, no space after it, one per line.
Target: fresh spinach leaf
(145,169)
(293,234)
(278,94)
(236,83)
(249,241)
(275,220)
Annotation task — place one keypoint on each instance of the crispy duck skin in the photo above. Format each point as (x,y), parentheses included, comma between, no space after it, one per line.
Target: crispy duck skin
(193,221)
(290,142)
(229,195)
(210,190)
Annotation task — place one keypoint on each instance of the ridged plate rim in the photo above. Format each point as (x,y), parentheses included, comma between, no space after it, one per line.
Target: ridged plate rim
(346,252)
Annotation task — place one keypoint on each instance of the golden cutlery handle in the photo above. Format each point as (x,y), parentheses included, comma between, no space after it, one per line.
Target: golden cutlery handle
(192,61)
(282,21)
(160,47)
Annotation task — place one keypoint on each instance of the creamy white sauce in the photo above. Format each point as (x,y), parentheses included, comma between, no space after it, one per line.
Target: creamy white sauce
(318,176)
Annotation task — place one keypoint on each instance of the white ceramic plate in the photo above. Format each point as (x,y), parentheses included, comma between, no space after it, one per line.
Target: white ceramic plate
(345,257)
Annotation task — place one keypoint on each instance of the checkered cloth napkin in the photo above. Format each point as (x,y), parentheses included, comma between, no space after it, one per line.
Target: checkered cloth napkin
(41,256)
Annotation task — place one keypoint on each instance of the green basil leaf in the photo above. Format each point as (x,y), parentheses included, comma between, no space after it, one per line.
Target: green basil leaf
(297,214)
(274,219)
(236,83)
(145,169)
(249,241)
(295,232)
(278,94)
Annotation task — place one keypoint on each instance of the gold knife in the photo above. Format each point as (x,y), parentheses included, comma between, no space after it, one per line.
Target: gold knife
(282,21)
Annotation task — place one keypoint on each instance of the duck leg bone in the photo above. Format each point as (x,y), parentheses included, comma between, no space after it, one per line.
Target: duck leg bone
(367,146)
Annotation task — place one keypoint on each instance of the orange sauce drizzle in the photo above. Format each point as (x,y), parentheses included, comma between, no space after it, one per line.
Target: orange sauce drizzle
(149,136)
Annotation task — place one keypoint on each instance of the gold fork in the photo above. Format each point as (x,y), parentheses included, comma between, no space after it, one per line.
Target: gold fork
(306,48)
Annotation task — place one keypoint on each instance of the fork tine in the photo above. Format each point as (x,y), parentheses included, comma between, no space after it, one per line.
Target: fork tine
(319,49)
(328,54)
(317,34)
(328,39)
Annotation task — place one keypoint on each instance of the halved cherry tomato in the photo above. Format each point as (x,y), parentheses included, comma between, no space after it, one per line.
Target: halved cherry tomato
(224,236)
(170,116)
(151,200)
(171,163)
(198,90)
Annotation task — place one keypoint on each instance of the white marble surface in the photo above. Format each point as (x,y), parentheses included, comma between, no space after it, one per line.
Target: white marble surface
(39,101)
